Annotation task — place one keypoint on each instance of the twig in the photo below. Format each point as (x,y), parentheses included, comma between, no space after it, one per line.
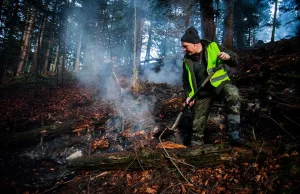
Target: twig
(136,158)
(273,94)
(292,120)
(284,104)
(136,155)
(253,133)
(256,157)
(130,164)
(271,184)
(170,156)
(99,175)
(285,130)
(58,186)
(91,141)
(180,162)
(231,157)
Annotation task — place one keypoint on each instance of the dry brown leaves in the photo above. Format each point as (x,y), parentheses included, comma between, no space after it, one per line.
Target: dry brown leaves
(170,145)
(101,143)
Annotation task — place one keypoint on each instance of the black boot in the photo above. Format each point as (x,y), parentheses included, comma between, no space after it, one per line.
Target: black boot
(233,134)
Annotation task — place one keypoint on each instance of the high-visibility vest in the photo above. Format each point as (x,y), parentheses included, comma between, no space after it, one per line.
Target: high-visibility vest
(218,77)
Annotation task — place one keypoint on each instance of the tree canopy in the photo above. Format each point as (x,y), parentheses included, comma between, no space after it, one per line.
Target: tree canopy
(51,36)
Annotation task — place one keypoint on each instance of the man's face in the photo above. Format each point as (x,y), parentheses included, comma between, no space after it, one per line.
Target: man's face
(188,48)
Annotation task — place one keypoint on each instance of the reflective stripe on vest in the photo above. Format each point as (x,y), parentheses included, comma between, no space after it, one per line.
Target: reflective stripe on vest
(218,77)
(191,94)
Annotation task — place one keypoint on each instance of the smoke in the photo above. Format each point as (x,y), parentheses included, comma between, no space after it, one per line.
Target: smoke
(136,111)
(168,71)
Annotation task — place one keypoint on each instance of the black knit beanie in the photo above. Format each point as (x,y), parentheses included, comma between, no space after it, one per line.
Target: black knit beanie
(191,35)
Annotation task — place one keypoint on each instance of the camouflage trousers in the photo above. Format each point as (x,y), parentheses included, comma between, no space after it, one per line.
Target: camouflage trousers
(230,94)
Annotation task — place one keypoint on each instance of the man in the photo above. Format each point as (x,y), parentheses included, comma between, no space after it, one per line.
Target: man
(199,60)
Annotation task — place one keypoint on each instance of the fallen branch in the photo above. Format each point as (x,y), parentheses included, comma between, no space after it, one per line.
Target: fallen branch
(285,131)
(171,159)
(151,158)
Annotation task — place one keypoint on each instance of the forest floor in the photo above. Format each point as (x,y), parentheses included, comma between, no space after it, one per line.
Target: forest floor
(45,126)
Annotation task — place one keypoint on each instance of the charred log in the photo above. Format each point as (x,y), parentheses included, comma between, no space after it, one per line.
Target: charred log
(146,158)
(35,136)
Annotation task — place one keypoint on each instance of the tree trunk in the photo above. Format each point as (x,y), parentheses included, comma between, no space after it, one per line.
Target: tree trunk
(65,42)
(228,25)
(26,38)
(50,40)
(45,71)
(240,43)
(34,135)
(207,20)
(1,4)
(78,53)
(149,44)
(2,65)
(137,41)
(135,70)
(274,21)
(151,158)
(54,66)
(188,13)
(38,45)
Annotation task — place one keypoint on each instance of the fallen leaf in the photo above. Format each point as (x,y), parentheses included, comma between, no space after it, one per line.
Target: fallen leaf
(276,166)
(257,178)
(170,145)
(294,153)
(129,179)
(225,177)
(206,183)
(102,143)
(150,190)
(183,190)
(44,131)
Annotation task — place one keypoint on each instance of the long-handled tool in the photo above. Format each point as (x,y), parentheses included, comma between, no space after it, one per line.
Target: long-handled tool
(196,93)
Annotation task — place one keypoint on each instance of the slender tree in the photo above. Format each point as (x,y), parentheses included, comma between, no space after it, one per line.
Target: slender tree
(274,20)
(228,24)
(208,27)
(78,53)
(26,38)
(137,41)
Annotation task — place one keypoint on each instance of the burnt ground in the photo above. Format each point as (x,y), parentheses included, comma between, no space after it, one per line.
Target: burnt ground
(45,125)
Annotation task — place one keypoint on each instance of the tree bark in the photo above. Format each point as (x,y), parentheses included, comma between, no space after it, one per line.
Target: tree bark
(55,60)
(65,42)
(25,45)
(50,39)
(138,33)
(274,21)
(47,55)
(38,45)
(1,4)
(34,135)
(228,25)
(207,20)
(78,53)
(149,44)
(151,158)
(188,13)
